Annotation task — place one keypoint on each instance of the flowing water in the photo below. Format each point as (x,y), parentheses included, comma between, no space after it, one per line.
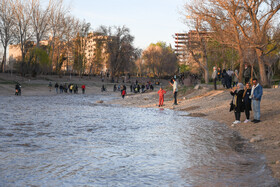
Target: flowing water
(69,140)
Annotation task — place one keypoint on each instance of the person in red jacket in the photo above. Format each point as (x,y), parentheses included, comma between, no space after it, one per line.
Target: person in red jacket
(161,93)
(123,91)
(83,88)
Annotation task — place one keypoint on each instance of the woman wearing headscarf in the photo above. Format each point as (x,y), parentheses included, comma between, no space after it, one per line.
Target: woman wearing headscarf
(237,101)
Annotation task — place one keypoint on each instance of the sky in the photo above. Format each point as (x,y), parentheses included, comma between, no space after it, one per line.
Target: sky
(149,21)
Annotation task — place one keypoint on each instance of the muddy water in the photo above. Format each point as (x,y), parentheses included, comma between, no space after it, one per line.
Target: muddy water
(69,140)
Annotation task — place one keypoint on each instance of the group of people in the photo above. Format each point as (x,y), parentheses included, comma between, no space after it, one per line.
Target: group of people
(136,87)
(72,88)
(228,77)
(244,99)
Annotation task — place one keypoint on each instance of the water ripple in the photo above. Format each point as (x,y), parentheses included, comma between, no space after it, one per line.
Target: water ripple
(69,140)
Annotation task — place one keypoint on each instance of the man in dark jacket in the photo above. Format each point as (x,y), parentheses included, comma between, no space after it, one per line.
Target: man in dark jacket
(247,73)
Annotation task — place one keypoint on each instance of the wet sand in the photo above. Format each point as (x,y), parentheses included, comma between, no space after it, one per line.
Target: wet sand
(204,102)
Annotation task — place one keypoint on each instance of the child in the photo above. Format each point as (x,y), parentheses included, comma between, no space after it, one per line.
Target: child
(123,91)
(161,93)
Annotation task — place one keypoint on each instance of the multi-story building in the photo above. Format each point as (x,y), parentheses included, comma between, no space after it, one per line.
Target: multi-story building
(95,53)
(184,42)
(181,40)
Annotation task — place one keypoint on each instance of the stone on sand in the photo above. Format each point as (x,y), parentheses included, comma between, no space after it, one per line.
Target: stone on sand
(197,87)
(256,139)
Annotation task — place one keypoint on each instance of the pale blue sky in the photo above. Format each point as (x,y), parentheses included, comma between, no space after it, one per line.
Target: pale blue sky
(149,21)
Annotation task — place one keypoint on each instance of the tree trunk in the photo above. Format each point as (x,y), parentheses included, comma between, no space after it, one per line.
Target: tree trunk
(205,66)
(241,68)
(51,56)
(206,75)
(4,59)
(263,77)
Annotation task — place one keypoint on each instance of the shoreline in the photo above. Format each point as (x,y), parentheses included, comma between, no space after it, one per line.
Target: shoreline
(203,102)
(214,105)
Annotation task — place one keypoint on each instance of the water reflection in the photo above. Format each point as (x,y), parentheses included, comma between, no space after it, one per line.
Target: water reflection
(70,140)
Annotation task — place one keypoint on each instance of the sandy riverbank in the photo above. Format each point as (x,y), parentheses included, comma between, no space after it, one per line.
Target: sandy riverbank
(203,102)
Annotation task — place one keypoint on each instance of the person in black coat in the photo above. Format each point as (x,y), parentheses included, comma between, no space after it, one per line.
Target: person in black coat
(237,101)
(225,79)
(247,101)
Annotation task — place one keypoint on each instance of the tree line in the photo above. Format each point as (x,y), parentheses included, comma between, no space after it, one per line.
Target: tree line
(25,22)
(30,22)
(246,30)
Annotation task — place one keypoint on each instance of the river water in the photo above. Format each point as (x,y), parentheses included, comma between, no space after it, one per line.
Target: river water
(69,140)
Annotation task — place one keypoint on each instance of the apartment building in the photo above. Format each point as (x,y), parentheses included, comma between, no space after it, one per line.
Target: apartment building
(95,45)
(184,41)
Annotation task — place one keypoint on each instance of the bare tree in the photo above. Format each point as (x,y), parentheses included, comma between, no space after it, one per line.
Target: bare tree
(160,59)
(80,47)
(70,31)
(6,28)
(40,18)
(139,63)
(260,24)
(119,48)
(152,58)
(23,31)
(57,16)
(217,18)
(197,40)
(239,22)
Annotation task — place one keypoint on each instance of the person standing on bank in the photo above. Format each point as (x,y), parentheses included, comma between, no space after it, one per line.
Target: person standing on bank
(237,102)
(247,73)
(161,93)
(175,90)
(235,78)
(247,101)
(214,77)
(256,96)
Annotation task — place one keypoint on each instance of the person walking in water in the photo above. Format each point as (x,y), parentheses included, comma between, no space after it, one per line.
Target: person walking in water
(56,87)
(161,93)
(123,91)
(83,88)
(175,90)
(256,96)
